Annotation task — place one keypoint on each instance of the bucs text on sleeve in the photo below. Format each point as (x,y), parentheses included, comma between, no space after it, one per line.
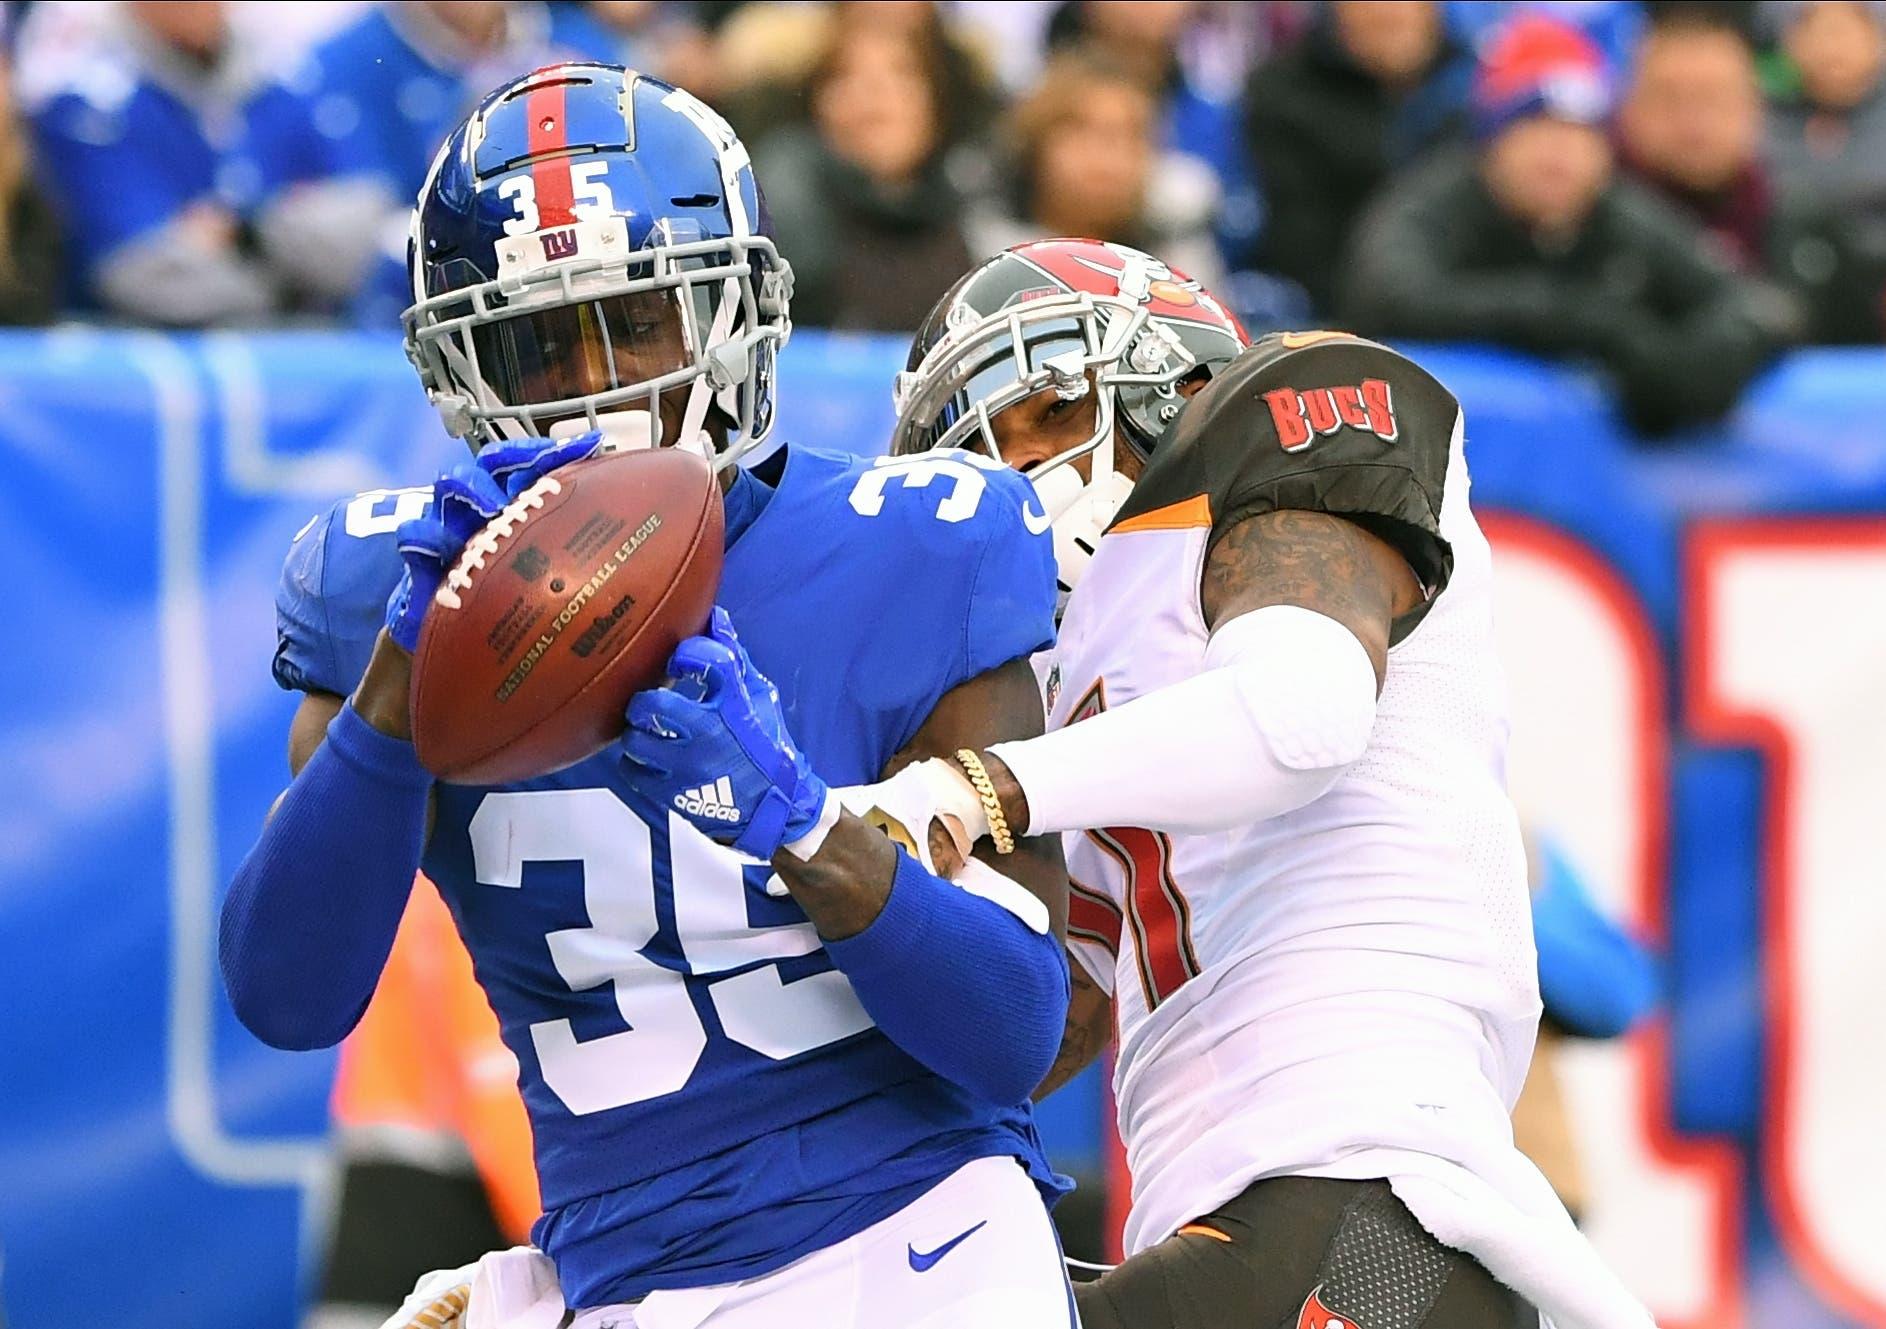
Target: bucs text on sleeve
(1321,422)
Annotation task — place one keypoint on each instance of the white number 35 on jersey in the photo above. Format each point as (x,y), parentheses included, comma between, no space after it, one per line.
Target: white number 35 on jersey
(964,471)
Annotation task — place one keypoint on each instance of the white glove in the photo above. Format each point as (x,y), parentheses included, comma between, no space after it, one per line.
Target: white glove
(923,792)
(905,805)
(935,790)
(511,1289)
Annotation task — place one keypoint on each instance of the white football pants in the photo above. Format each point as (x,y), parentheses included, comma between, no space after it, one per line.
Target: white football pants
(976,1249)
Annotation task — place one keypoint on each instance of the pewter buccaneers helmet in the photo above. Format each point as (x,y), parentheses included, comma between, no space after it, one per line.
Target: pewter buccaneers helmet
(1077,316)
(583,218)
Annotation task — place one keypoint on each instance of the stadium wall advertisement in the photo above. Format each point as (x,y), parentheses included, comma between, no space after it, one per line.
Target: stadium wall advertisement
(1695,648)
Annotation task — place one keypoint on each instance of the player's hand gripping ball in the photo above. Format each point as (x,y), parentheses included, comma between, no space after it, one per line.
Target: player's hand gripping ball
(712,744)
(535,610)
(464,498)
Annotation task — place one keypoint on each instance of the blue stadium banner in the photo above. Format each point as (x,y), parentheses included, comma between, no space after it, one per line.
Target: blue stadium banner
(1693,639)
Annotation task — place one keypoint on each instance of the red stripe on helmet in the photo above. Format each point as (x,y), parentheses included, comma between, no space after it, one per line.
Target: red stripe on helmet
(545,110)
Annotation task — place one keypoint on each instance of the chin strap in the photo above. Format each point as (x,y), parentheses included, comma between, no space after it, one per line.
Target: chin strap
(1080,512)
(631,431)
(726,365)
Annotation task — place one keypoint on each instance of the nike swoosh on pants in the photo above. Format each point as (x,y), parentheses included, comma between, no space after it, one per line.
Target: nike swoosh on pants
(923,1261)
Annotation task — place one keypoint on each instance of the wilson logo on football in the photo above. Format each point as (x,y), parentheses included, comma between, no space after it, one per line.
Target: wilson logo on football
(1304,416)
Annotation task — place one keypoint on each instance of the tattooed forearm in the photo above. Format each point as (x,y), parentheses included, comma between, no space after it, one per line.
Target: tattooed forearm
(1089,1030)
(1317,561)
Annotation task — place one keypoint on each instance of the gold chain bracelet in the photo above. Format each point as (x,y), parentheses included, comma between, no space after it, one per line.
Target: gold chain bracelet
(978,775)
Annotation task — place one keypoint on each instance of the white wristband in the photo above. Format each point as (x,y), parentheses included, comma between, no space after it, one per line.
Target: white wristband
(813,840)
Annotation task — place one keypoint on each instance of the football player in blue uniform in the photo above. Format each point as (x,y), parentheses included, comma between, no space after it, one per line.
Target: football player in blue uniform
(777,1083)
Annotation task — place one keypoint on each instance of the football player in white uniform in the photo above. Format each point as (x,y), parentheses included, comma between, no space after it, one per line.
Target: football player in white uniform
(1300,888)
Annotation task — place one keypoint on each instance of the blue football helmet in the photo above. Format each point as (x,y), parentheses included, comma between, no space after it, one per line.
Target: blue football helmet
(590,247)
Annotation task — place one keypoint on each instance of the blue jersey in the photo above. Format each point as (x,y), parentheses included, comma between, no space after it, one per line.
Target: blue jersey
(372,101)
(708,1098)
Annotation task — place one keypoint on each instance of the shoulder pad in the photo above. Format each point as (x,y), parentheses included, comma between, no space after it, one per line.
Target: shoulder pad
(972,534)
(1315,421)
(331,602)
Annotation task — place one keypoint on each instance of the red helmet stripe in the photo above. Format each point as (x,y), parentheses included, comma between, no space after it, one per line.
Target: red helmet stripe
(551,175)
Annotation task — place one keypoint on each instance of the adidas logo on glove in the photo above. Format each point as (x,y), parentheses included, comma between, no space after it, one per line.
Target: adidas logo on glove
(710,800)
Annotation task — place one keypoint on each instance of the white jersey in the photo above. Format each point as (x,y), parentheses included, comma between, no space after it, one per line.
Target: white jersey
(1323,992)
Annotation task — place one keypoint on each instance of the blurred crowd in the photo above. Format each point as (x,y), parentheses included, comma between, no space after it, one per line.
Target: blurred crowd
(1670,191)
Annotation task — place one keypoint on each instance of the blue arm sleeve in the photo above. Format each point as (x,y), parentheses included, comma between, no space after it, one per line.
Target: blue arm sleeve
(961,984)
(311,914)
(1594,978)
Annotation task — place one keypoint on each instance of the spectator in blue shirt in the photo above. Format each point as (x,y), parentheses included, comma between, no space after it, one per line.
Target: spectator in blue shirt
(333,156)
(132,107)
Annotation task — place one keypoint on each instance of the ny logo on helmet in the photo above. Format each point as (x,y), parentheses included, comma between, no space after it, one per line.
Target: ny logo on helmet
(1302,417)
(559,244)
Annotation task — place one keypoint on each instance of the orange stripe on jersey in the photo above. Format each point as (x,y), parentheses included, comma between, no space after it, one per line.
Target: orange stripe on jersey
(1180,516)
(1202,1230)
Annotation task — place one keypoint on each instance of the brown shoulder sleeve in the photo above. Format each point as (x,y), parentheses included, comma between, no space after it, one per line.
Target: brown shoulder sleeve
(1322,422)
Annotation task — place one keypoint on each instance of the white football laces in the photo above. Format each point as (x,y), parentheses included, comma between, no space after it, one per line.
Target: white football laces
(485,544)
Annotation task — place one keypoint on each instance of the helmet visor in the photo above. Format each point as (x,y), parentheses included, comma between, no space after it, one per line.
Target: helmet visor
(989,372)
(577,350)
(1008,361)
(1069,344)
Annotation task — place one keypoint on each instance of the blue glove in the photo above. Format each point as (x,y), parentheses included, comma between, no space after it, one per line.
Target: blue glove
(464,498)
(1595,978)
(713,746)
(518,466)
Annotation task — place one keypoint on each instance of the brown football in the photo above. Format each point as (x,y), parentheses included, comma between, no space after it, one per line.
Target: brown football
(568,602)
